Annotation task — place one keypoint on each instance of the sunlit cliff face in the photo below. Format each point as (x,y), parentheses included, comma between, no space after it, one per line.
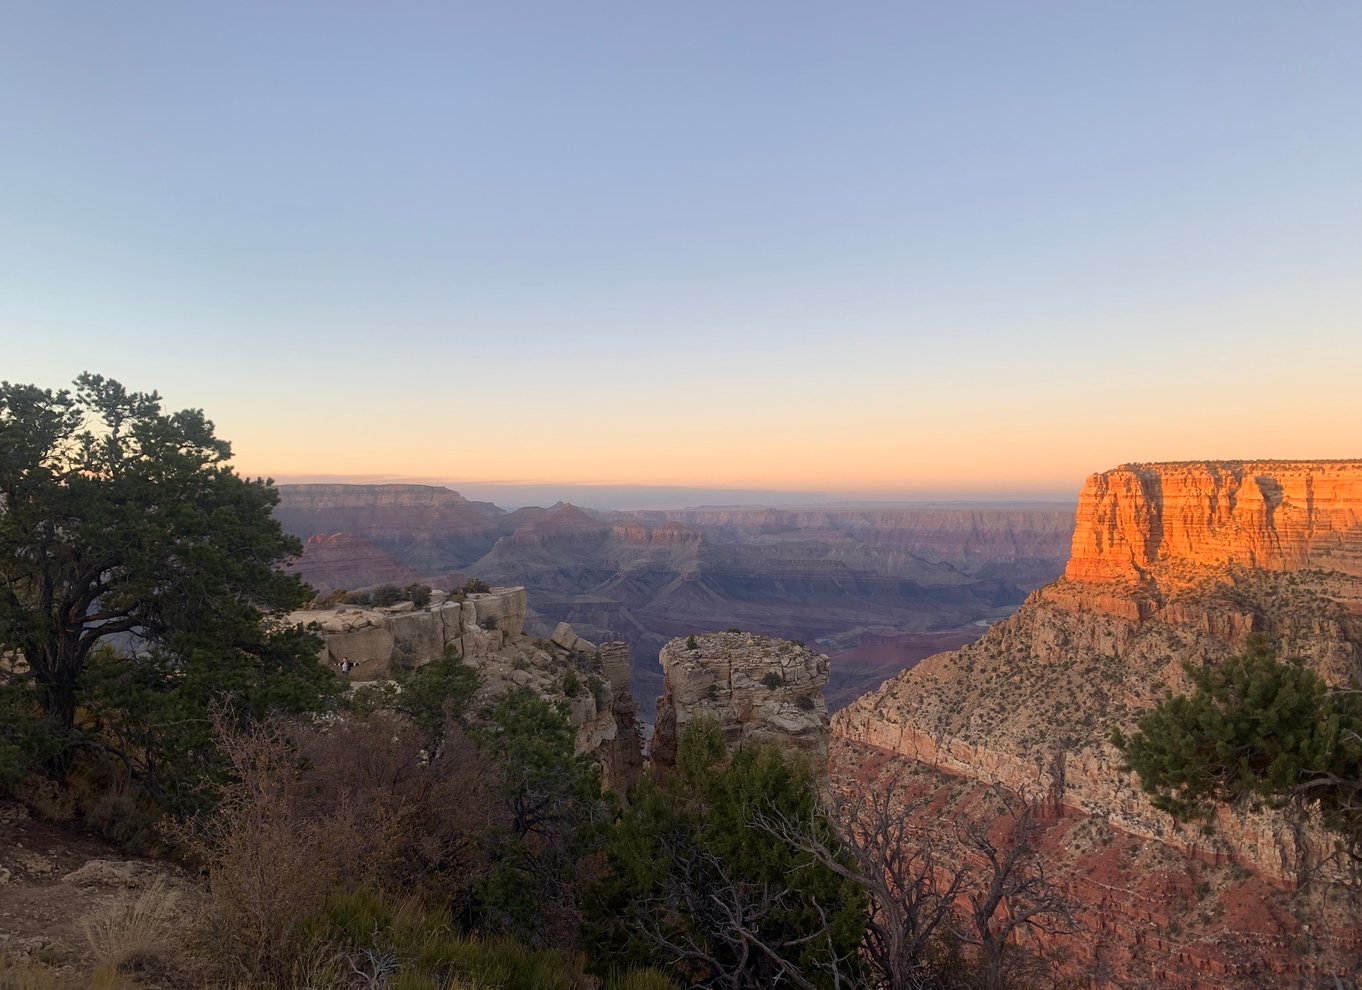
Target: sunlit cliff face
(1274,515)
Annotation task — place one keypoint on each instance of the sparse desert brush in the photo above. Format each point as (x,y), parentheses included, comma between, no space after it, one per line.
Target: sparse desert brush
(108,978)
(26,976)
(133,927)
(641,979)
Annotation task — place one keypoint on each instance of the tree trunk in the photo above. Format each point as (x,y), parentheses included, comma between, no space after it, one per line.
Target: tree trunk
(56,676)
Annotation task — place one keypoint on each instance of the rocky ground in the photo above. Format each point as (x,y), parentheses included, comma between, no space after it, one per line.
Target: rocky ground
(70,905)
(1147,914)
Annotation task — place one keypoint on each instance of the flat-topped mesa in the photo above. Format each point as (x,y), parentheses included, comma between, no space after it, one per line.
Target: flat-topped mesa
(1142,519)
(329,496)
(1172,564)
(758,689)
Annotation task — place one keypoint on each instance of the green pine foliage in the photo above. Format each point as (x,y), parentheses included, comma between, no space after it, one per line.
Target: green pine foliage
(432,696)
(121,520)
(1254,728)
(558,818)
(691,855)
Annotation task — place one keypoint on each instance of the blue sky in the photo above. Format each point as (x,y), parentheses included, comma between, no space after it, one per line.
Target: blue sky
(871,248)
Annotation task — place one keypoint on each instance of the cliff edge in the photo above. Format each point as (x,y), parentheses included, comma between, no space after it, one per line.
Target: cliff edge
(1170,563)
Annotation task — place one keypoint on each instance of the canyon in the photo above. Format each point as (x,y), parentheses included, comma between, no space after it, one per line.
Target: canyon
(875,588)
(1170,563)
(1163,564)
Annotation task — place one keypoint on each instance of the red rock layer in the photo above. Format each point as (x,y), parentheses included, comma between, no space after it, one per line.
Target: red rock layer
(342,560)
(1171,563)
(1274,515)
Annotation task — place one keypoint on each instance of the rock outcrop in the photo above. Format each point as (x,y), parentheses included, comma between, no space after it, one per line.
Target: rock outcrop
(592,688)
(758,689)
(1144,519)
(374,639)
(1151,583)
(486,632)
(1171,563)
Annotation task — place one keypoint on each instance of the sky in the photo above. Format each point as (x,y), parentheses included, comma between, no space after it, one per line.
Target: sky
(851,250)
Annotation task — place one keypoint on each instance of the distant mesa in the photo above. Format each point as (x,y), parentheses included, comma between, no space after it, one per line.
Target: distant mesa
(877,587)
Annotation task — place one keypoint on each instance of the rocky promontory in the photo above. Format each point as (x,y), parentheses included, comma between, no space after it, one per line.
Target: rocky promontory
(758,689)
(486,632)
(1171,563)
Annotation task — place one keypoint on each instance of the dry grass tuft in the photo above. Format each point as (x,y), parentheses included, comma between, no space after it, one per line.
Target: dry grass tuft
(26,976)
(130,929)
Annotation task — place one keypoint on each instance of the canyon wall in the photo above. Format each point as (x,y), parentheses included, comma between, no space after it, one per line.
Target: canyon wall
(343,560)
(1273,515)
(1170,563)
(425,526)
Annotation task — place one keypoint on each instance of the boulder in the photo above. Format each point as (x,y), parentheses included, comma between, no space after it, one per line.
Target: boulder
(419,635)
(566,637)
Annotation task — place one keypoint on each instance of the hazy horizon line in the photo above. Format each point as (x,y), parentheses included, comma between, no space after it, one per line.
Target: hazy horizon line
(643,497)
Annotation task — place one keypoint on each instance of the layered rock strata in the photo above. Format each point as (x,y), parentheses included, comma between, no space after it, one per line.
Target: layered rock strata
(486,632)
(758,689)
(342,560)
(1170,563)
(1144,520)
(845,577)
(375,638)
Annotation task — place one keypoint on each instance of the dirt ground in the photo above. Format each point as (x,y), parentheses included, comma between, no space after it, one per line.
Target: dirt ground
(55,884)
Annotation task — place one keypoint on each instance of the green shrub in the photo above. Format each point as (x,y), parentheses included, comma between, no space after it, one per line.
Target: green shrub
(691,643)
(806,703)
(572,684)
(689,843)
(417,948)
(475,586)
(418,594)
(385,595)
(773,680)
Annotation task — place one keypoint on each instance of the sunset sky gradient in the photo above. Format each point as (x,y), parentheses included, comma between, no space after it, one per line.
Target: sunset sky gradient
(872,250)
